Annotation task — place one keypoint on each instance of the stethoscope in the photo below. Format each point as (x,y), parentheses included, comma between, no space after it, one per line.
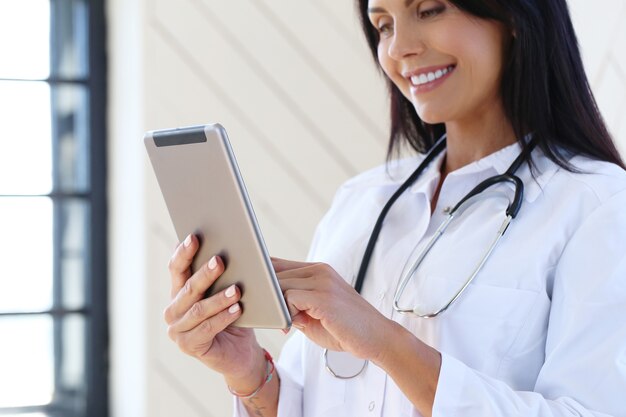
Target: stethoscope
(345,366)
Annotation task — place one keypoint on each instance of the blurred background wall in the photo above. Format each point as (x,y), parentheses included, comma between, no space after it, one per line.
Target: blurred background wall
(305,110)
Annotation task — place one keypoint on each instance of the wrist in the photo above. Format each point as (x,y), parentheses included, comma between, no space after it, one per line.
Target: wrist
(397,341)
(405,351)
(267,378)
(248,377)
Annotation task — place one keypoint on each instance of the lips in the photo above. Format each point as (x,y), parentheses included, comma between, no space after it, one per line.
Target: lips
(429,74)
(426,79)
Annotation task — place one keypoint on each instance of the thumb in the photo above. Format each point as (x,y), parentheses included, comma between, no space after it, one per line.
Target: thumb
(300,321)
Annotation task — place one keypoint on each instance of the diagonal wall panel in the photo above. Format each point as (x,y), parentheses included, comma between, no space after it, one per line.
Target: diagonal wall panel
(281,215)
(313,102)
(312,36)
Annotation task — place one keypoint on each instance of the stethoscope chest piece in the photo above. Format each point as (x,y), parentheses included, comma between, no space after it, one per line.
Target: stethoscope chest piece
(342,364)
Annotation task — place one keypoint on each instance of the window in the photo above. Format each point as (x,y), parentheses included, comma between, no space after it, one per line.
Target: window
(53,348)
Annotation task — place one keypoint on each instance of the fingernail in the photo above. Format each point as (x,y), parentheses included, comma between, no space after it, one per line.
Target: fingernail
(298,326)
(213,263)
(230,291)
(187,241)
(285,331)
(234,308)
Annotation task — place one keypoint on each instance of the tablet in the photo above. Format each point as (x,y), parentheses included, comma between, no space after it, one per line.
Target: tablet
(205,195)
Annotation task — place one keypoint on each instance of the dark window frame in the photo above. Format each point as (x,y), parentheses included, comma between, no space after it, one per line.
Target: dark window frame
(98,333)
(96,342)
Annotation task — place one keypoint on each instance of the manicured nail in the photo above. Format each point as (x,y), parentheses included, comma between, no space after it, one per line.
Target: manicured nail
(234,308)
(187,241)
(230,291)
(213,263)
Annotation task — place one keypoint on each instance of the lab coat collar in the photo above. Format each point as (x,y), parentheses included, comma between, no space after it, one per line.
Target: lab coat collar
(493,164)
(535,181)
(428,181)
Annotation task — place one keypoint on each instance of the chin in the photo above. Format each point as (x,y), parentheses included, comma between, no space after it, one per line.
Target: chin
(430,115)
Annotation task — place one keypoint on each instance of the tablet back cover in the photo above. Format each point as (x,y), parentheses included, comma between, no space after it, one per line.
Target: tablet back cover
(205,195)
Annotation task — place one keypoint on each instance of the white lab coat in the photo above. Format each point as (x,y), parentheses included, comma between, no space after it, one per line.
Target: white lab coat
(540,332)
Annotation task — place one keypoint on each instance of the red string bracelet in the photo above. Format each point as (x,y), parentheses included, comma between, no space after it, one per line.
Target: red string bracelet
(269,372)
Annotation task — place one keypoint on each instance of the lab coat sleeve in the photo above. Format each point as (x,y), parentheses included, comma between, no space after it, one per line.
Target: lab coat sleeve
(584,372)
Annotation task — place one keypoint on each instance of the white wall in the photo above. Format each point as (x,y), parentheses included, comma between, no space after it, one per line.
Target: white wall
(127,239)
(295,87)
(602,38)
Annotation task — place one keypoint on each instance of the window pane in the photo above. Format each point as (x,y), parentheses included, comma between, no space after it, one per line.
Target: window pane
(25,138)
(25,415)
(26,360)
(72,385)
(26,248)
(70,121)
(74,251)
(24,38)
(69,38)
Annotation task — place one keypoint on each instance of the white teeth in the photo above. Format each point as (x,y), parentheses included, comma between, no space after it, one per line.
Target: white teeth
(429,77)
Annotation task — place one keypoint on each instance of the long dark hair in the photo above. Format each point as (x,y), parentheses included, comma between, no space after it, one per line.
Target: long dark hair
(544,87)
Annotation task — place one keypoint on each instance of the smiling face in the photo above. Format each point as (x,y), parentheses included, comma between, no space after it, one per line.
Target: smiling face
(446,62)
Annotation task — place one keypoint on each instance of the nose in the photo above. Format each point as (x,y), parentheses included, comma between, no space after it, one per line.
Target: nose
(407,40)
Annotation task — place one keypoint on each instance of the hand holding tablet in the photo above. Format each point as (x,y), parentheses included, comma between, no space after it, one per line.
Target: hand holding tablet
(206,197)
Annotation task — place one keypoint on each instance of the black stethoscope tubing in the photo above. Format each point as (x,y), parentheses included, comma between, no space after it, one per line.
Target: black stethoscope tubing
(437,148)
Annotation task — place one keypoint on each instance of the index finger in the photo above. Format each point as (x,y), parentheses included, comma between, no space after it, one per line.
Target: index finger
(281,265)
(180,263)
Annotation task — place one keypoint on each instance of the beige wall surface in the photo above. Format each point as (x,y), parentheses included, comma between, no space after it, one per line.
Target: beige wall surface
(305,109)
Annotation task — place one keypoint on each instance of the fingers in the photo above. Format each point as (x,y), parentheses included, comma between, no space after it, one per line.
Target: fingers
(313,276)
(316,332)
(194,289)
(299,301)
(281,265)
(198,340)
(206,308)
(293,312)
(180,263)
(314,282)
(300,321)
(290,280)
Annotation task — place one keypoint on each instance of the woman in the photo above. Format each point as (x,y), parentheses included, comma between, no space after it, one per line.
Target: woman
(539,330)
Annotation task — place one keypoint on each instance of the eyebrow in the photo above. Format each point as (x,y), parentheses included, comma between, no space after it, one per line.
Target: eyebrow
(376,10)
(407,3)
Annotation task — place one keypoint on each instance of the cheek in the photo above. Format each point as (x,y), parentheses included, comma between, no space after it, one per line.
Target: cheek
(451,41)
(487,68)
(474,42)
(486,54)
(482,46)
(383,60)
(390,68)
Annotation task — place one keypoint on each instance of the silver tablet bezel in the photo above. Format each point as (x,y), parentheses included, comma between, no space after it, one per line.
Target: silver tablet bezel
(172,164)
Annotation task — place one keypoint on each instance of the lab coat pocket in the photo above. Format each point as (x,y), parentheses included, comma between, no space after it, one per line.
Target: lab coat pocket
(482,326)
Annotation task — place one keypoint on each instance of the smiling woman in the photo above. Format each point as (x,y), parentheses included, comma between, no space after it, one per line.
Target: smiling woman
(539,65)
(493,96)
(416,44)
